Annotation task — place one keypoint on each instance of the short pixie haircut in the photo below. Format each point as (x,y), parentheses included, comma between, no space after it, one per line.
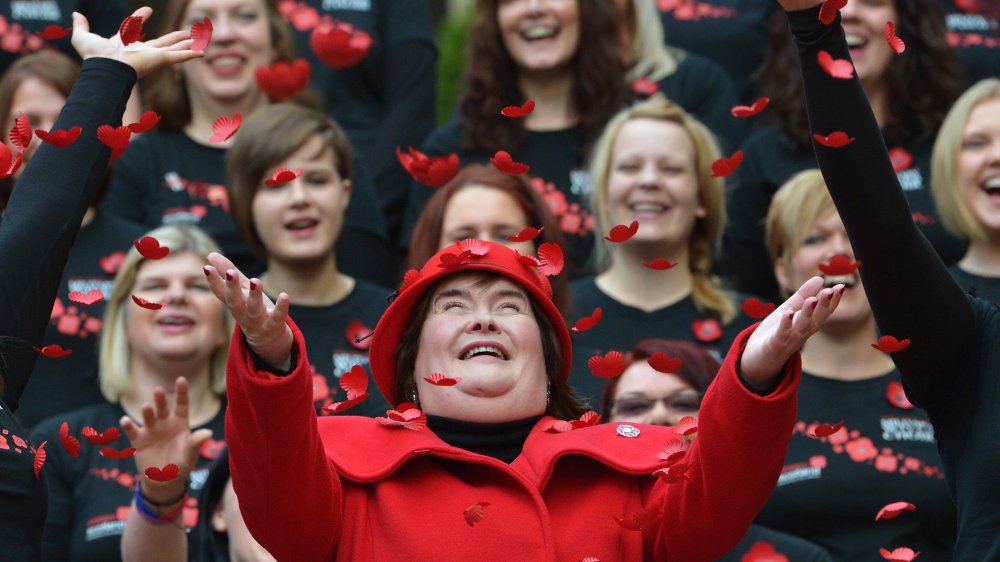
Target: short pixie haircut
(795,207)
(954,209)
(266,139)
(115,351)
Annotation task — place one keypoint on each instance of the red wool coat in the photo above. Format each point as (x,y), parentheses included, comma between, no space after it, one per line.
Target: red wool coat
(351,489)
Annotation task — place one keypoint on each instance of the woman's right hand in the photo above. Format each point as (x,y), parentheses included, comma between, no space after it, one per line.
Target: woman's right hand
(143,56)
(262,321)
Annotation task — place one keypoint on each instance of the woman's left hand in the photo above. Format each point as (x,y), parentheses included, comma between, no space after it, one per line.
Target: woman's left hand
(785,330)
(143,56)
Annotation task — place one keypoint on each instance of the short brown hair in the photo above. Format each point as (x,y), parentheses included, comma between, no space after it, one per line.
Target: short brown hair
(266,138)
(564,402)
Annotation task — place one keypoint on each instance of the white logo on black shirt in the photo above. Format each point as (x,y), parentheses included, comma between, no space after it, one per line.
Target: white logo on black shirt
(45,10)
(911,180)
(579,183)
(966,22)
(907,429)
(355,5)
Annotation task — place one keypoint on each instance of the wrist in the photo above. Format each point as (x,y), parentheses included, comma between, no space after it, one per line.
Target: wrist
(158,514)
(161,495)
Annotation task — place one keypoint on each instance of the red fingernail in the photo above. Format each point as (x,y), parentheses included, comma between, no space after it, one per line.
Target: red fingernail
(206,271)
(253,284)
(229,276)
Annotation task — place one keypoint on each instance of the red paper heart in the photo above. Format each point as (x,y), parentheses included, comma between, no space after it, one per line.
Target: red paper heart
(115,138)
(432,171)
(840,264)
(526,234)
(763,551)
(687,426)
(338,407)
(828,11)
(475,248)
(201,34)
(53,350)
(405,415)
(674,474)
(744,111)
(558,426)
(147,121)
(892,510)
(354,382)
(659,265)
(92,296)
(225,127)
(895,43)
(609,366)
(283,80)
(40,456)
(130,30)
(515,111)
(588,322)
(59,138)
(475,513)
(110,453)
(70,443)
(825,429)
(889,344)
(106,437)
(437,379)
(54,33)
(9,162)
(674,450)
(835,139)
(150,248)
(503,161)
(339,45)
(551,257)
(165,474)
(663,363)
(282,176)
(148,305)
(901,554)
(723,167)
(588,419)
(621,233)
(20,134)
(837,68)
(757,309)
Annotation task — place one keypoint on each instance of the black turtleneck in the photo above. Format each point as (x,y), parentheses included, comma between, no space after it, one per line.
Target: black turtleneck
(502,441)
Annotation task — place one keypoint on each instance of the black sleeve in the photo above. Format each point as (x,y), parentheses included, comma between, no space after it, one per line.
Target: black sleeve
(910,290)
(45,211)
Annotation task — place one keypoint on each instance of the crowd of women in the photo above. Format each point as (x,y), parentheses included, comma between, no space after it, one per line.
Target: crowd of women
(676,280)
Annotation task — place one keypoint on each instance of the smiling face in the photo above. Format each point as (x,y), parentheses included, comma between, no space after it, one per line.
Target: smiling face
(481,329)
(978,165)
(301,220)
(41,104)
(653,180)
(241,43)
(540,35)
(644,395)
(864,25)
(485,213)
(190,326)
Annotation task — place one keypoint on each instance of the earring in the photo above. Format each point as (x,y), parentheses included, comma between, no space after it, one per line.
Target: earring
(548,393)
(413,397)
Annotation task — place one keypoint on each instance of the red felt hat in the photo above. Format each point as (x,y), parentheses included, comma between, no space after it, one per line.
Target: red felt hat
(467,255)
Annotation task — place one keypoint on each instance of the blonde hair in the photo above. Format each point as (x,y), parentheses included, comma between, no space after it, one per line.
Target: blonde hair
(650,56)
(115,351)
(795,207)
(707,230)
(955,212)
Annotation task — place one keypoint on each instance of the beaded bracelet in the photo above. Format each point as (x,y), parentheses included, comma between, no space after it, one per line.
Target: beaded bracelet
(156,517)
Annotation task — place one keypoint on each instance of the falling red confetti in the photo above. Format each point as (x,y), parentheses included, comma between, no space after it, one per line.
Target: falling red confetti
(338,407)
(148,305)
(20,133)
(115,138)
(437,379)
(893,510)
(527,234)
(503,161)
(165,474)
(475,513)
(339,45)
(53,350)
(674,450)
(588,419)
(92,296)
(433,171)
(54,33)
(674,474)
(283,80)
(836,139)
(515,111)
(201,34)
(723,167)
(825,429)
(59,138)
(687,426)
(150,248)
(763,551)
(663,363)
(621,233)
(9,162)
(558,426)
(354,382)
(476,248)
(146,121)
(828,11)
(894,41)
(551,257)
(450,259)
(588,322)
(659,264)
(609,366)
(889,344)
(744,111)
(901,554)
(106,437)
(70,443)
(282,176)
(111,453)
(130,30)
(757,309)
(405,415)
(837,68)
(40,456)
(840,264)
(225,127)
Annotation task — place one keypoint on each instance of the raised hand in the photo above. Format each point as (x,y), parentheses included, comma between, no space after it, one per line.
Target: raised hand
(143,56)
(785,330)
(262,321)
(165,437)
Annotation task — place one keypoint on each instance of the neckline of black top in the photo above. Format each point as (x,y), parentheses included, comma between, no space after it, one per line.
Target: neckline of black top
(502,441)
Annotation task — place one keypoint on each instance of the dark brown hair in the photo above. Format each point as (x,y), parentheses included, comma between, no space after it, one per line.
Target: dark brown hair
(426,240)
(564,402)
(599,88)
(267,138)
(922,83)
(165,91)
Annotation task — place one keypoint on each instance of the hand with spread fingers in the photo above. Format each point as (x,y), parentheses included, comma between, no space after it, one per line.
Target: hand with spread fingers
(143,56)
(785,330)
(262,321)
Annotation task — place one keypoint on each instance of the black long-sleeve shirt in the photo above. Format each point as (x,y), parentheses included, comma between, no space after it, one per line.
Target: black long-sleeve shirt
(951,368)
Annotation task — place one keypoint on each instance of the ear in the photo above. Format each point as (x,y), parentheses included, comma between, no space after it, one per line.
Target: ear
(700,212)
(781,274)
(218,517)
(346,186)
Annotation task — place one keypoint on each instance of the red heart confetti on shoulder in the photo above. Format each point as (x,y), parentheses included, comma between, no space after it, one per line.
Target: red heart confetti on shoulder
(609,366)
(503,161)
(225,127)
(892,510)
(338,407)
(889,344)
(674,474)
(828,11)
(663,363)
(53,350)
(763,551)
(706,330)
(837,68)
(550,256)
(130,30)
(150,248)
(757,309)
(110,453)
(659,265)
(54,33)
(896,396)
(20,133)
(836,139)
(282,176)
(147,121)
(723,167)
(433,171)
(674,450)
(437,379)
(405,415)
(840,264)
(588,322)
(644,87)
(354,382)
(621,233)
(895,43)
(40,456)
(92,296)
(283,80)
(475,513)
(687,426)
(59,138)
(339,45)
(526,234)
(70,443)
(165,474)
(106,437)
(901,554)
(588,419)
(558,426)
(201,34)
(515,111)
(825,429)
(148,305)
(744,111)
(115,138)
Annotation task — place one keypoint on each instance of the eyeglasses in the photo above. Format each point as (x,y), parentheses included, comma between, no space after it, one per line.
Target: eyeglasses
(683,403)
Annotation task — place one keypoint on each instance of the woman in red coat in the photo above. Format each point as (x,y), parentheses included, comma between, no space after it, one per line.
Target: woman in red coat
(478,462)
